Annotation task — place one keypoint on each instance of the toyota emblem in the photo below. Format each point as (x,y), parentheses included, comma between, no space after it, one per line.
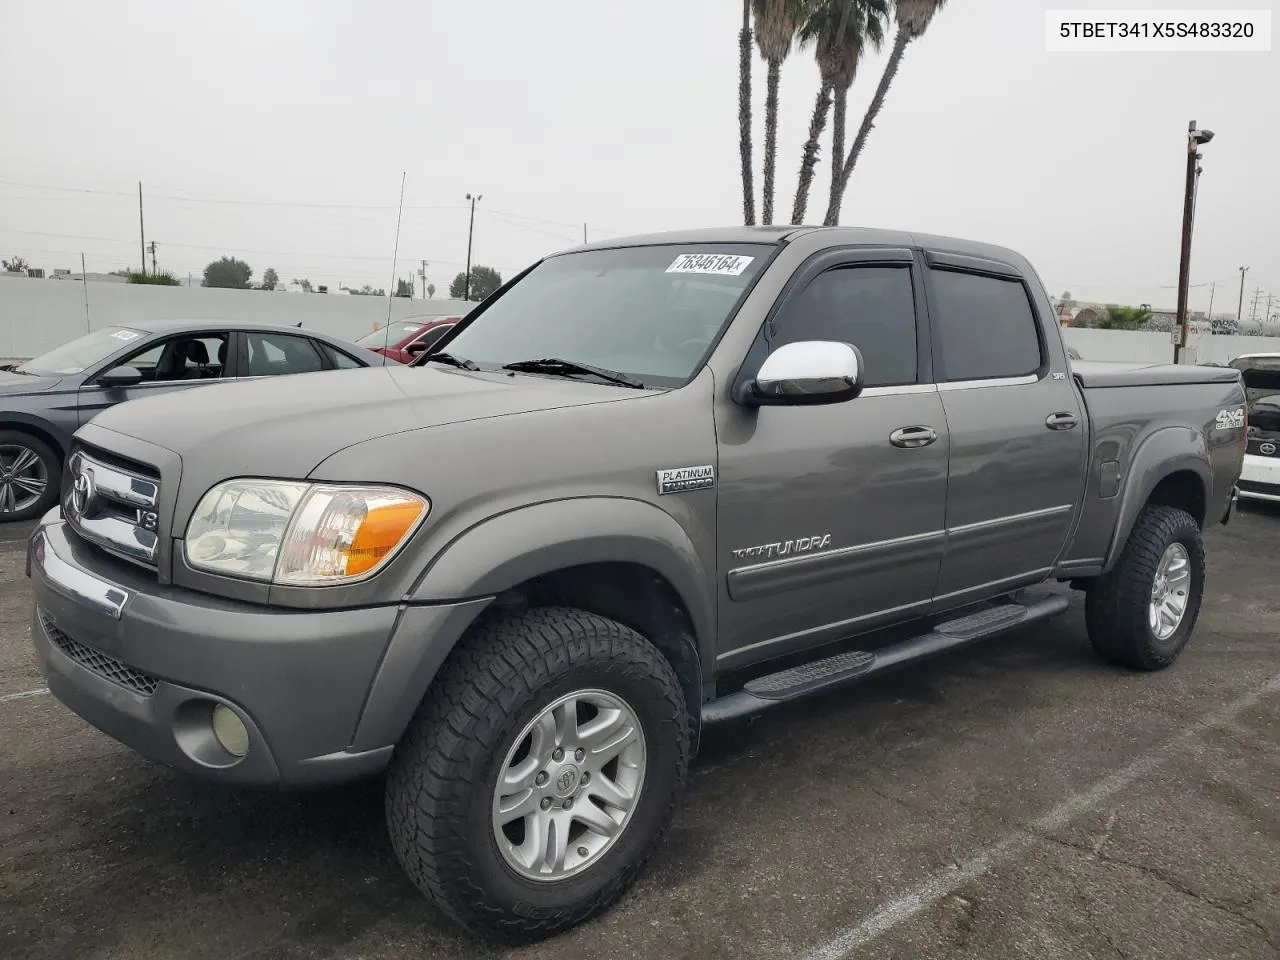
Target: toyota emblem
(1267,449)
(83,491)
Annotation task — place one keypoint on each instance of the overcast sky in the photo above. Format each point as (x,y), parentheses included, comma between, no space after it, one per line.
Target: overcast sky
(619,115)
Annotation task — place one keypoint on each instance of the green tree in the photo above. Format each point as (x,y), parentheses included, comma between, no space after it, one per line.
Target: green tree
(227,272)
(304,284)
(366,291)
(484,281)
(16,264)
(776,24)
(162,279)
(838,30)
(913,17)
(431,290)
(404,288)
(744,115)
(1124,318)
(270,279)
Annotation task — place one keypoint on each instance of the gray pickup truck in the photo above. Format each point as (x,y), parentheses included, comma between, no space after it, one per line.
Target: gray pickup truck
(650,485)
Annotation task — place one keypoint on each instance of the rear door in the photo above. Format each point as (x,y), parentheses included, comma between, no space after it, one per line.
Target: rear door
(1017,428)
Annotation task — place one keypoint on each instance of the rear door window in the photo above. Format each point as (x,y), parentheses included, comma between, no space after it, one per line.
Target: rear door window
(985,326)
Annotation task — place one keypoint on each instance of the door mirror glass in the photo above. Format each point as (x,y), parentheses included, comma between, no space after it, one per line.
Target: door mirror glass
(808,372)
(120,377)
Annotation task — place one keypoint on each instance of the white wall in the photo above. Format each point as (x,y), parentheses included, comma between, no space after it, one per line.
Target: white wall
(37,315)
(1148,347)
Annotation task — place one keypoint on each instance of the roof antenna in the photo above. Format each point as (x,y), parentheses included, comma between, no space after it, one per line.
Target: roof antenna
(391,289)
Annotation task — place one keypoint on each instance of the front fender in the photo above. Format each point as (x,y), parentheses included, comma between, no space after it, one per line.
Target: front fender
(504,551)
(1164,452)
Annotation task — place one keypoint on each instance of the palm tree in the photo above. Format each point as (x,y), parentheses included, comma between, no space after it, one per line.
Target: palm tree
(914,17)
(847,57)
(776,24)
(744,115)
(837,29)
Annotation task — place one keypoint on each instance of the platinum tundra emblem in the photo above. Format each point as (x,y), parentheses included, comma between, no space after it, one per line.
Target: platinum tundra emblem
(680,479)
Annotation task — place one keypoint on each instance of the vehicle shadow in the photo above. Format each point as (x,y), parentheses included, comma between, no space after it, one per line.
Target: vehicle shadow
(130,859)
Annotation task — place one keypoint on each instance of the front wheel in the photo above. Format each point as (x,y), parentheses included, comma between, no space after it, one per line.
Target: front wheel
(1142,612)
(30,473)
(540,772)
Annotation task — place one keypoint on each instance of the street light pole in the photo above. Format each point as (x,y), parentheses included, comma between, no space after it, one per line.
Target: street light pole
(466,282)
(1195,138)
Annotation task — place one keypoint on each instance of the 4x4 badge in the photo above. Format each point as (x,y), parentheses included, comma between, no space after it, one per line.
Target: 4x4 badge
(680,479)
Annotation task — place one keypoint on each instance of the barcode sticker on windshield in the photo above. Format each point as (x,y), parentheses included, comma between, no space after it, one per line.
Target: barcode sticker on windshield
(125,335)
(720,264)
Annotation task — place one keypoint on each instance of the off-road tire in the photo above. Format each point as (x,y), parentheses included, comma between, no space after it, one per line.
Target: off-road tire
(53,472)
(442,775)
(1116,604)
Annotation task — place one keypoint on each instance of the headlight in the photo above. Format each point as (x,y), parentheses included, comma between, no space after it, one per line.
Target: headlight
(300,534)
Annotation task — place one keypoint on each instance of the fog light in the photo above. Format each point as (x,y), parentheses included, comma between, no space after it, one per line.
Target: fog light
(230,730)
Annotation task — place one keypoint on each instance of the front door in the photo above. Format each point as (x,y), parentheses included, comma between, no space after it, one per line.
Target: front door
(175,363)
(1018,431)
(831,517)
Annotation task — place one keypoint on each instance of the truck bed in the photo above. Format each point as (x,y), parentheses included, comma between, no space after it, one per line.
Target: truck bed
(1097,373)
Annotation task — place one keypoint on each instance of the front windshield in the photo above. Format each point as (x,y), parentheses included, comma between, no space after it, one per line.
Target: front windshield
(649,312)
(81,353)
(397,332)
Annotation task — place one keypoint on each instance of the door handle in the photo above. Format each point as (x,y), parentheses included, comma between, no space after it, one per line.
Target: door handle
(1060,421)
(913,436)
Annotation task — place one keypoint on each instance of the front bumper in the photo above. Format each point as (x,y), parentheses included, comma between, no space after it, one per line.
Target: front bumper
(146,664)
(1260,478)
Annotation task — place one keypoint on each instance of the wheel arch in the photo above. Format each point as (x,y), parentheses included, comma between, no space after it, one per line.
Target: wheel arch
(22,423)
(1168,470)
(620,558)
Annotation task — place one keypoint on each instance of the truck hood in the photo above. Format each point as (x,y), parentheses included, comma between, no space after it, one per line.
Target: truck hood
(19,384)
(285,426)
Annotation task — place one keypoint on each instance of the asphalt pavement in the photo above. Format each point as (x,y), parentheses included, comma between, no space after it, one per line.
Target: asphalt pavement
(1018,799)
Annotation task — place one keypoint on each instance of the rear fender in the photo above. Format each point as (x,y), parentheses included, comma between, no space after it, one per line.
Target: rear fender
(1163,453)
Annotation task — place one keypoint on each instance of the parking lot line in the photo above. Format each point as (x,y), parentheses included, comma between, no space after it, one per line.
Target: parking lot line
(24,695)
(978,862)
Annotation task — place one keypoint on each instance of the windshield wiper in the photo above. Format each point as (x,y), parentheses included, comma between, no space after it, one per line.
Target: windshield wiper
(569,368)
(461,363)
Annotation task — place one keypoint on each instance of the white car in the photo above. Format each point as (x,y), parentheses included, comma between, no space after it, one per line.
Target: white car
(1260,479)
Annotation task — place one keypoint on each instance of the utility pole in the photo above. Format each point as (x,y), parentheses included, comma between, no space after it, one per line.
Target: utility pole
(1212,289)
(1266,317)
(422,272)
(1195,138)
(1240,305)
(1253,307)
(584,233)
(142,231)
(152,247)
(466,282)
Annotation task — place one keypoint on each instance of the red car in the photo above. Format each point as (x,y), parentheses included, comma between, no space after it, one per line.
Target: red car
(420,333)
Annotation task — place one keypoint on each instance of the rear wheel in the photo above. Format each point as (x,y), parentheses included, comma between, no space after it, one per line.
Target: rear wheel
(30,475)
(1141,614)
(540,772)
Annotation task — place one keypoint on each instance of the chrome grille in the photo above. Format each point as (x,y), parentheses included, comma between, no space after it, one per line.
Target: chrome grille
(113,507)
(109,668)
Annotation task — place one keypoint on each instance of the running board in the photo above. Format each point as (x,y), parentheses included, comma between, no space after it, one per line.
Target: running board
(774,689)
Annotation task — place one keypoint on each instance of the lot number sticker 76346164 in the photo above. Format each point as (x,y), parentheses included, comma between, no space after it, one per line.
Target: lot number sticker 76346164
(719,264)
